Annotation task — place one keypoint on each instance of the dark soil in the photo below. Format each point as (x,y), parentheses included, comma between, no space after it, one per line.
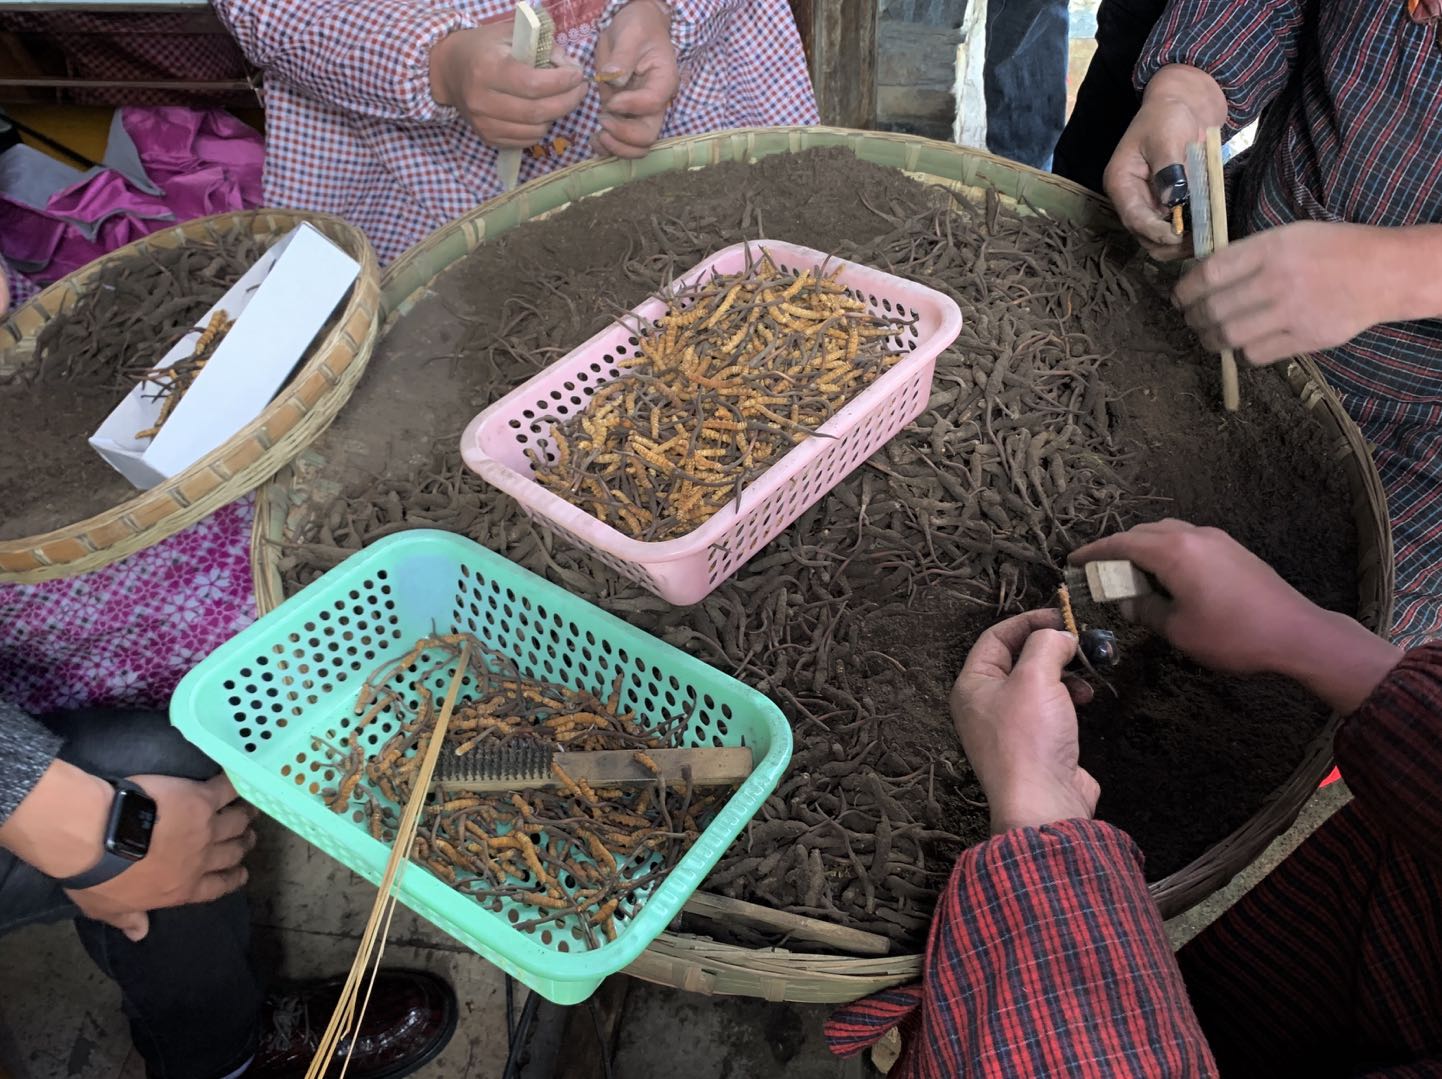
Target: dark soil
(857,618)
(49,407)
(56,479)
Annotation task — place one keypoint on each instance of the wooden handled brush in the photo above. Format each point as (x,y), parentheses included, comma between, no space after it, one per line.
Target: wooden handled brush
(531,44)
(536,766)
(1108,581)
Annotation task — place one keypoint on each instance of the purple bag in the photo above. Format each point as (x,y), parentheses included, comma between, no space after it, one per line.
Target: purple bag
(162,166)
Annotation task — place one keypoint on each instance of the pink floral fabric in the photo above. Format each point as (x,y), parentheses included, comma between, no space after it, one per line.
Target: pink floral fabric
(125,634)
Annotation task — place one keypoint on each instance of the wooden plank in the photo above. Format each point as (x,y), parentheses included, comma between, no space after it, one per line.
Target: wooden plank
(719,908)
(843,61)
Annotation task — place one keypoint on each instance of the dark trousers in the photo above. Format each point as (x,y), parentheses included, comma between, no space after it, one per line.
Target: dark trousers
(1025,78)
(1106,102)
(189,990)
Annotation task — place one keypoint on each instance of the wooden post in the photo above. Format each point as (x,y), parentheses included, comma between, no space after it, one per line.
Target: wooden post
(840,41)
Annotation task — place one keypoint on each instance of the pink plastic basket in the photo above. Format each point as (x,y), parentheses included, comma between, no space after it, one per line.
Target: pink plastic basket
(685,570)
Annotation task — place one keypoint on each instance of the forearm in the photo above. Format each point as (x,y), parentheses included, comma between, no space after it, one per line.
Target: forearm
(1192,86)
(58,825)
(372,59)
(27,749)
(1335,658)
(695,24)
(1410,260)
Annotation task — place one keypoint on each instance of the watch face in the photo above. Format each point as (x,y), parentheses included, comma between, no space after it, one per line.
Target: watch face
(132,821)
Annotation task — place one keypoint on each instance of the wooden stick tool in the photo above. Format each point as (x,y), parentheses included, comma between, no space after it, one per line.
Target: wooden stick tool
(1209,230)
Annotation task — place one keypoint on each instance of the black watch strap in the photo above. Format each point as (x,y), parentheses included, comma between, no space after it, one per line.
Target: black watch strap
(111,864)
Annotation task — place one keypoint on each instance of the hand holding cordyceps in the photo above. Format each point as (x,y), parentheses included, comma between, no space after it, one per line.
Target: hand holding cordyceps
(510,104)
(1179,104)
(1017,720)
(636,69)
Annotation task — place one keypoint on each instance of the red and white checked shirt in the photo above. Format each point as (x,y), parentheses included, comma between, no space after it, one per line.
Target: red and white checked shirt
(352,129)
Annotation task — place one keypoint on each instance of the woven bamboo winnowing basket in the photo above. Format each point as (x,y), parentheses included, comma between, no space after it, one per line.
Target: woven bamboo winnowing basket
(705,966)
(295,416)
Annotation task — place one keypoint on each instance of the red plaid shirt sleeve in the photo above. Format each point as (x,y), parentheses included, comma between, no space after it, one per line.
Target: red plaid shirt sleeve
(1390,753)
(332,48)
(1046,957)
(1249,46)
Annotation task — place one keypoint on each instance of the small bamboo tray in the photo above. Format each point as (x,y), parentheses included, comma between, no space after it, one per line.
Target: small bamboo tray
(696,963)
(297,414)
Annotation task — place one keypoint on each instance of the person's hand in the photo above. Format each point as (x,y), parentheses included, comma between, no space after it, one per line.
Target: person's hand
(1179,104)
(1224,607)
(4,293)
(201,836)
(1018,724)
(636,69)
(1298,288)
(1230,611)
(510,104)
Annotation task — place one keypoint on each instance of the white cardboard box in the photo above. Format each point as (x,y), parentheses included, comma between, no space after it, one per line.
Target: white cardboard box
(278,307)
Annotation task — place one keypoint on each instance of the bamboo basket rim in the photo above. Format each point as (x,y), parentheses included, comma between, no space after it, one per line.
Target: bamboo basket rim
(298,412)
(699,964)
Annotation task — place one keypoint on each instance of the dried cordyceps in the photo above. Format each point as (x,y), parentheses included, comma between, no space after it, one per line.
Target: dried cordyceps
(172,382)
(856,618)
(582,858)
(136,309)
(739,368)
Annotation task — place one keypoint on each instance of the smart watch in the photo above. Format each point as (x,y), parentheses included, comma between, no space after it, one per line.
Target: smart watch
(127,836)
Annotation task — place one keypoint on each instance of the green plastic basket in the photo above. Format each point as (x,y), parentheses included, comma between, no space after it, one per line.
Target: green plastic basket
(256,702)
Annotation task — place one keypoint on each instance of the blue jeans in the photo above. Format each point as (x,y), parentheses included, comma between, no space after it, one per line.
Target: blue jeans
(189,990)
(1025,78)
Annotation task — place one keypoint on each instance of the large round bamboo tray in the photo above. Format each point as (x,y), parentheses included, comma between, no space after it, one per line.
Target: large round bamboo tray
(296,415)
(702,965)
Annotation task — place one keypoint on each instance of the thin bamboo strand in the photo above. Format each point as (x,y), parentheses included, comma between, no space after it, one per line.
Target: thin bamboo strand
(345,1018)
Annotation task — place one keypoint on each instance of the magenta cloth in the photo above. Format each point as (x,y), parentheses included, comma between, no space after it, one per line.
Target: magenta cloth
(125,634)
(205,162)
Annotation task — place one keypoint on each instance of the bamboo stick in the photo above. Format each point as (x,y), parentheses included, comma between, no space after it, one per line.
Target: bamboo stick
(345,1019)
(1217,193)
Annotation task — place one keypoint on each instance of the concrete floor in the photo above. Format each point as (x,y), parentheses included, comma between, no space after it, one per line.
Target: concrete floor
(60,1019)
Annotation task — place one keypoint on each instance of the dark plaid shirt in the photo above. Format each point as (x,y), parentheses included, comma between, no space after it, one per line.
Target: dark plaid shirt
(1047,957)
(1350,95)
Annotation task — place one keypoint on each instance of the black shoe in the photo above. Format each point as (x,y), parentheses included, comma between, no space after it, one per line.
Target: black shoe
(411,1017)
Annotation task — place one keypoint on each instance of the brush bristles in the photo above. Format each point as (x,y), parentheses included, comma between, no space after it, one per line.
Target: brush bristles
(545,37)
(529,762)
(1076,581)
